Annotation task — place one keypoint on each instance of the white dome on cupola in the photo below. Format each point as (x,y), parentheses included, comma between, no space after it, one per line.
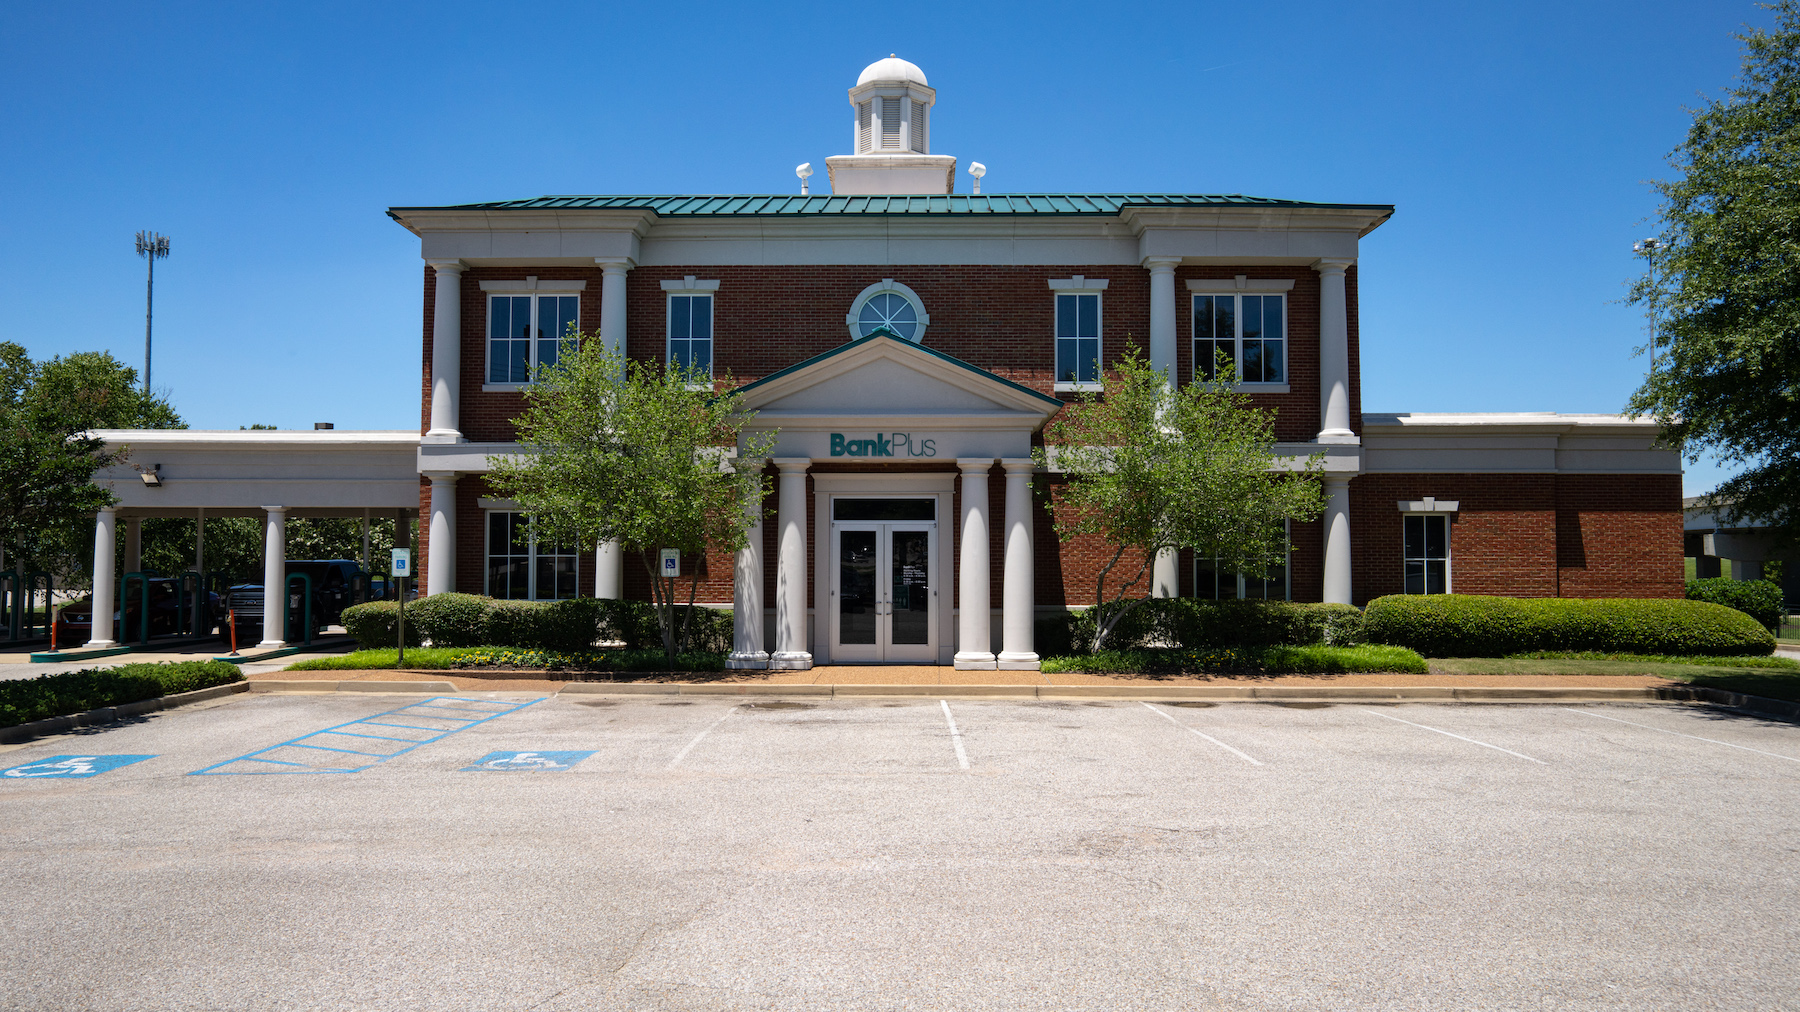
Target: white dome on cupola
(892,69)
(892,134)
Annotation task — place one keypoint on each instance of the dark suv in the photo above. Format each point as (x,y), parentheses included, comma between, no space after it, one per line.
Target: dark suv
(333,587)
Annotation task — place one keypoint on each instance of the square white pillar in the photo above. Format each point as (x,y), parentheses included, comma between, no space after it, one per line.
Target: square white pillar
(974,631)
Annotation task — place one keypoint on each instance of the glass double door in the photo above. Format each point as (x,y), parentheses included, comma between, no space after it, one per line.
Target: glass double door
(883,605)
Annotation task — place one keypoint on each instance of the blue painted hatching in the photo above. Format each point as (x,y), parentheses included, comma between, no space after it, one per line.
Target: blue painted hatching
(436,718)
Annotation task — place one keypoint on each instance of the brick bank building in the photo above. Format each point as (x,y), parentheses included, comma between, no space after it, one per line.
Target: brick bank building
(909,343)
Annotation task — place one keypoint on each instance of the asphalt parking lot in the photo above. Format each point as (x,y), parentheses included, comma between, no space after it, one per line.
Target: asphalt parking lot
(512,851)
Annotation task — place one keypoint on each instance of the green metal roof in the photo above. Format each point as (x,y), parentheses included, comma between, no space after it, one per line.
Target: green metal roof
(886,334)
(950,204)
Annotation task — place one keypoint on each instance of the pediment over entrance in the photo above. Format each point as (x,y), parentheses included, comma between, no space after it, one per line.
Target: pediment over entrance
(882,387)
(886,374)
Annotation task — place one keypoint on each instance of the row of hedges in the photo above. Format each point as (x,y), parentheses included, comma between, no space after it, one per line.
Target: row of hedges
(1191,624)
(28,699)
(1464,625)
(469,620)
(1762,600)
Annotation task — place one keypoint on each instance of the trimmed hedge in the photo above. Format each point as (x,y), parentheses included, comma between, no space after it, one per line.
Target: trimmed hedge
(28,699)
(1464,625)
(373,624)
(1762,600)
(1193,624)
(469,620)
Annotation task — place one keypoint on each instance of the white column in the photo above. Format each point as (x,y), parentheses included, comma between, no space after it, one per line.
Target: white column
(274,578)
(105,578)
(1018,591)
(134,544)
(1162,315)
(974,642)
(790,568)
(1337,539)
(612,303)
(440,564)
(747,584)
(1334,353)
(609,571)
(446,354)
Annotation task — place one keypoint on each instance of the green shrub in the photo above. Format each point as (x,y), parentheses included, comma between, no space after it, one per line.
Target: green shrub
(635,624)
(1194,624)
(28,699)
(1272,660)
(372,625)
(451,620)
(1462,625)
(1762,600)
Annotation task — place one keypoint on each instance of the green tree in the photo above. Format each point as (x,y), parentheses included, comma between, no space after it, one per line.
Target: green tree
(1725,284)
(633,452)
(1149,468)
(47,457)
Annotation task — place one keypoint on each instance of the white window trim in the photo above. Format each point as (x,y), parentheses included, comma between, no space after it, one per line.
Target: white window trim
(690,285)
(888,285)
(1242,285)
(1078,285)
(487,553)
(536,287)
(1433,508)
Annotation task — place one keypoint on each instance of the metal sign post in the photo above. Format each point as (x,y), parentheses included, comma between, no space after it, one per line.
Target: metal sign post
(401,568)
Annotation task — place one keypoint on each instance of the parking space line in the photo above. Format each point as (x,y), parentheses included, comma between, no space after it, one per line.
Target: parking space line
(962,756)
(697,739)
(1202,734)
(1679,734)
(1459,737)
(411,709)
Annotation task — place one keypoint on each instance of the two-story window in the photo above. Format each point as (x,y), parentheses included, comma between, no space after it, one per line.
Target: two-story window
(1077,331)
(1243,323)
(690,324)
(522,567)
(527,327)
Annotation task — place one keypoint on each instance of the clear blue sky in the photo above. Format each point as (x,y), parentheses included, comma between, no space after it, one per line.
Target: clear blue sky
(267,140)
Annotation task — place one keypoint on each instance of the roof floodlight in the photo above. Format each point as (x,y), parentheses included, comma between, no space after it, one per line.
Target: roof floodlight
(977,170)
(803,170)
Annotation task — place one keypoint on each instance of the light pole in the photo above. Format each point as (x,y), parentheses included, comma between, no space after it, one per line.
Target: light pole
(1647,248)
(151,247)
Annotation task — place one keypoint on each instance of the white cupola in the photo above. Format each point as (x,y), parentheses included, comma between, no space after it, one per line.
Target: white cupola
(892,136)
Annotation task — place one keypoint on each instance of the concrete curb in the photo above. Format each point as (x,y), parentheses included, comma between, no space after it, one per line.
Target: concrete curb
(1737,700)
(107,714)
(1248,692)
(308,685)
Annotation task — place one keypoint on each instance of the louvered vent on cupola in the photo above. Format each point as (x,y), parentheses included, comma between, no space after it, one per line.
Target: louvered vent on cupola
(918,127)
(890,123)
(862,126)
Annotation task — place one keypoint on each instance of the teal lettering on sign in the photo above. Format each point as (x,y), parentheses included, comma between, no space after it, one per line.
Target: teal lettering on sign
(888,444)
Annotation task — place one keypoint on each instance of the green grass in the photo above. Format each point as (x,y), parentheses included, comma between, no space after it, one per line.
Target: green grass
(1745,661)
(1307,660)
(55,695)
(417,658)
(510,659)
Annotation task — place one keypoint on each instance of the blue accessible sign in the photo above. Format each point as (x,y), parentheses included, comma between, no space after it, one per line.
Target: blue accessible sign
(526,762)
(66,767)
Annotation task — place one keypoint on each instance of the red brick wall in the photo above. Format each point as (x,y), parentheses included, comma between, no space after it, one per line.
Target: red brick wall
(1528,535)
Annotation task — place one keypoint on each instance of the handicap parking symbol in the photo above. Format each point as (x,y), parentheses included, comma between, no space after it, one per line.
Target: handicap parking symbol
(67,767)
(526,762)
